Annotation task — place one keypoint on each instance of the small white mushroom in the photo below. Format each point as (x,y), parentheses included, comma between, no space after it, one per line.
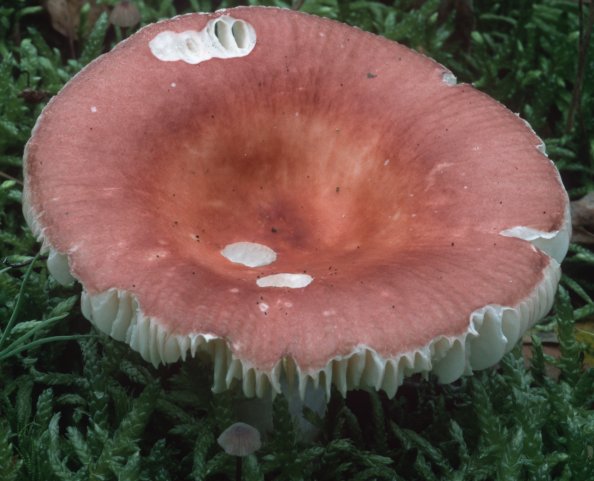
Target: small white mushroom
(125,14)
(240,439)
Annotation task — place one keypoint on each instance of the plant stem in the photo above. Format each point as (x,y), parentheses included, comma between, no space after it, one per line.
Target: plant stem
(45,340)
(19,301)
(10,177)
(583,45)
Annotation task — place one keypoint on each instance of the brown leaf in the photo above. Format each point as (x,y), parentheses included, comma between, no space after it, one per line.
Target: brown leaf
(582,219)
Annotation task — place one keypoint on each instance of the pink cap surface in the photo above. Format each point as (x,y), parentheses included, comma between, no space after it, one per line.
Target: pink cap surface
(350,156)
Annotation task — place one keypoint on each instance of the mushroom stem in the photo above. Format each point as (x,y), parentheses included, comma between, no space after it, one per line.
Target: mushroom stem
(238,468)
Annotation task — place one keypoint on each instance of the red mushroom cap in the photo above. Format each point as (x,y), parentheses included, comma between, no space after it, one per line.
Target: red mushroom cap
(416,224)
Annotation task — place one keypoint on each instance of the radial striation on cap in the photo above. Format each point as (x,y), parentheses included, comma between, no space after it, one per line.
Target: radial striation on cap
(240,439)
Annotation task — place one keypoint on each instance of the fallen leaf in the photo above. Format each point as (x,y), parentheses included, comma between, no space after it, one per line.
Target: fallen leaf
(582,219)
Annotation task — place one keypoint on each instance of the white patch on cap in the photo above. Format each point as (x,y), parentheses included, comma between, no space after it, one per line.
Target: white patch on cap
(250,254)
(528,233)
(554,243)
(223,37)
(449,78)
(294,281)
(263,306)
(93,109)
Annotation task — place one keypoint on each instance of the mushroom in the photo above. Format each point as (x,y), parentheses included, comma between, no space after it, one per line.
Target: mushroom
(125,14)
(240,440)
(382,219)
